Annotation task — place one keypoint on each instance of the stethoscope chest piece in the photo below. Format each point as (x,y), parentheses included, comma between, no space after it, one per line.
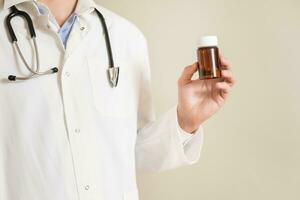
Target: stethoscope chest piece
(113,76)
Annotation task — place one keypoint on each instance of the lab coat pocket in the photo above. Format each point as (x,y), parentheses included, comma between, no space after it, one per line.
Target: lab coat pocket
(131,195)
(119,101)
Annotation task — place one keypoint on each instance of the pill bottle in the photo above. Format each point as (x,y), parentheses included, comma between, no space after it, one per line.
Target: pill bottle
(208,58)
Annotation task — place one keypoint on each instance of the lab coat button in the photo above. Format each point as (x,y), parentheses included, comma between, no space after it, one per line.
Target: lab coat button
(82,28)
(77,130)
(87,187)
(67,74)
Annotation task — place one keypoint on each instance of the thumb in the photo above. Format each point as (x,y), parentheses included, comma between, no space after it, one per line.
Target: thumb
(187,74)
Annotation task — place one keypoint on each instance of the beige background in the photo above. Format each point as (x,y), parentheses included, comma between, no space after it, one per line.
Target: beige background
(252,147)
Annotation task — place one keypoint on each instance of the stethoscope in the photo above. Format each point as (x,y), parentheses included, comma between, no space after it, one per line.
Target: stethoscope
(112,71)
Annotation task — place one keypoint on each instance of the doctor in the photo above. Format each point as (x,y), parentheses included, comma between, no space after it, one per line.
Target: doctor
(70,135)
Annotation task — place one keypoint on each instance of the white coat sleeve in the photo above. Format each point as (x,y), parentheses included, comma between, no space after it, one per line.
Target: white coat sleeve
(160,145)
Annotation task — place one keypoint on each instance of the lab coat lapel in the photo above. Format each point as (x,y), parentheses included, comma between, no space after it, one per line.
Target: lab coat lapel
(76,38)
(82,28)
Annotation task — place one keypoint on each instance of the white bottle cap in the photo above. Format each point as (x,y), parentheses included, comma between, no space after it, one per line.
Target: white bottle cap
(208,41)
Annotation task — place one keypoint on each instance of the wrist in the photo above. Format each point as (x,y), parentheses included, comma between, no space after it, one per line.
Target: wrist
(186,124)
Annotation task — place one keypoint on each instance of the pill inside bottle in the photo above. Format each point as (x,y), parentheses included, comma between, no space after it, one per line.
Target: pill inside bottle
(208,58)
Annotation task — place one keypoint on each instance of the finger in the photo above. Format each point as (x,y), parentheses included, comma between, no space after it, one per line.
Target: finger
(228,76)
(225,64)
(223,87)
(187,74)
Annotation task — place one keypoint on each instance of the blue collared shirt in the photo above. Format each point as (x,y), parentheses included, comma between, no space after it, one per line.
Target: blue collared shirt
(65,30)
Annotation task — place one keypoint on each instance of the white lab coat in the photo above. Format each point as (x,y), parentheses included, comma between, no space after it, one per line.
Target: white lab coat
(70,136)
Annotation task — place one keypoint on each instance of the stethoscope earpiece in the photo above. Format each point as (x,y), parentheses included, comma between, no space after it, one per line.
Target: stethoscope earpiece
(54,70)
(12,78)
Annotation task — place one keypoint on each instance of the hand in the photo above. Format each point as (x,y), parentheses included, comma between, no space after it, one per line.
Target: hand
(198,99)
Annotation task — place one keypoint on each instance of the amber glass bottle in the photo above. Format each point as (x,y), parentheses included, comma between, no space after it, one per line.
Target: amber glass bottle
(208,58)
